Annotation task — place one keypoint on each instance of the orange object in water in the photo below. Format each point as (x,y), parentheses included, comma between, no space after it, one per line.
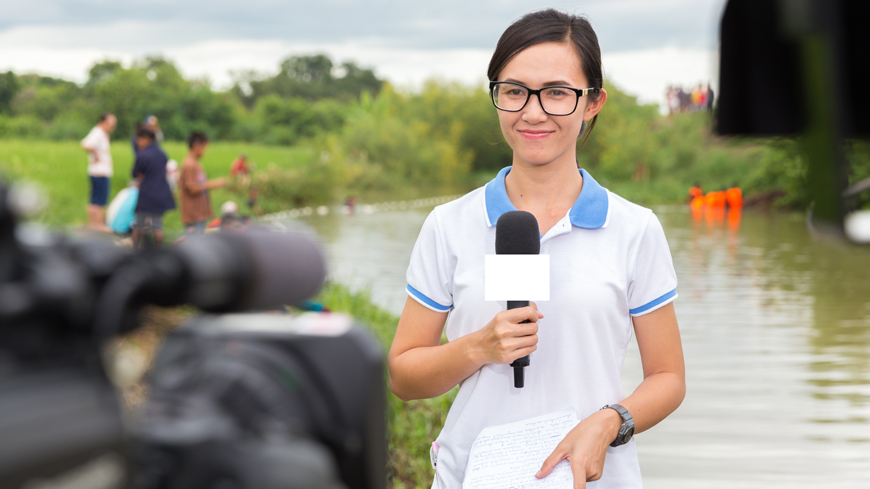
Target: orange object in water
(734,197)
(715,199)
(734,218)
(698,202)
(695,192)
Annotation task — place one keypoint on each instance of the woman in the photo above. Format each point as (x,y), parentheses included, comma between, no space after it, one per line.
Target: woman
(610,268)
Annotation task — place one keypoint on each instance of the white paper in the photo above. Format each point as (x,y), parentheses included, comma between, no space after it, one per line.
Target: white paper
(516,278)
(509,455)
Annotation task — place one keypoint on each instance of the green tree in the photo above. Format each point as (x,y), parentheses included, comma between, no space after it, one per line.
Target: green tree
(9,86)
(312,78)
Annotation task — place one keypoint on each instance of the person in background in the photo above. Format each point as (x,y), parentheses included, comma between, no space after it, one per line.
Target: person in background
(685,100)
(241,170)
(252,198)
(155,197)
(696,99)
(673,99)
(240,166)
(151,122)
(194,186)
(121,213)
(172,174)
(96,143)
(229,209)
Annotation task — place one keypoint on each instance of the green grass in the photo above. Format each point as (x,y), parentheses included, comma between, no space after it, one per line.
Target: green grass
(412,426)
(60,167)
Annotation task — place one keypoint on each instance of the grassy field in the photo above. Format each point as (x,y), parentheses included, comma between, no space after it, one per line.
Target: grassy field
(60,168)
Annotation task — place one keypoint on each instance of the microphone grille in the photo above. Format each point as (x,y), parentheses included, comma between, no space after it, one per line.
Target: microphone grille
(516,233)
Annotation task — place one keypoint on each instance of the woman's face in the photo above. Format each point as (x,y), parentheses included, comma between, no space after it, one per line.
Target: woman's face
(535,136)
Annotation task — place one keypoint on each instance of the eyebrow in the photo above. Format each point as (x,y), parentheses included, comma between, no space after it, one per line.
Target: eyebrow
(557,83)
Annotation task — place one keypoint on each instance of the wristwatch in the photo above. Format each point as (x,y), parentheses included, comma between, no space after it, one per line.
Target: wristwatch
(627,429)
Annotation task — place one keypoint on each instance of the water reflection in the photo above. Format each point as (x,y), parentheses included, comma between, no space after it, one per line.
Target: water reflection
(776,332)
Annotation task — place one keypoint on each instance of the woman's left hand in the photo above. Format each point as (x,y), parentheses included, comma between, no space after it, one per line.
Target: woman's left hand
(585,447)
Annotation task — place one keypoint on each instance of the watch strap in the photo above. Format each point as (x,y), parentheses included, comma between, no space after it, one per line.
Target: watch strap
(626,431)
(623,413)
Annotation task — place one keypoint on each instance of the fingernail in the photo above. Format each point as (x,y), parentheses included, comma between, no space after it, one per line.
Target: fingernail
(538,474)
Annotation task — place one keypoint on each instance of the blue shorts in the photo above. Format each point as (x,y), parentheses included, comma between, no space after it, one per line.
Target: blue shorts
(99,191)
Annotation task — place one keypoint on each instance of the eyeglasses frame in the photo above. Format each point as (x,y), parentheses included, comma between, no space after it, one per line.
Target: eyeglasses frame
(580,92)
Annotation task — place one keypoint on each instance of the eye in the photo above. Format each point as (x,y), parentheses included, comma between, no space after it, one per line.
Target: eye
(556,92)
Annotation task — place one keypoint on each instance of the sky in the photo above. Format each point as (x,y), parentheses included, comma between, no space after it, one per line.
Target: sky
(646,45)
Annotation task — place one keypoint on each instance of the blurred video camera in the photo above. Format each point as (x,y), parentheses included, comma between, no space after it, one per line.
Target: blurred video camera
(238,400)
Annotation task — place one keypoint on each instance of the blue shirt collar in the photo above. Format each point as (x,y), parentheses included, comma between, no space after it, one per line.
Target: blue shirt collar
(588,212)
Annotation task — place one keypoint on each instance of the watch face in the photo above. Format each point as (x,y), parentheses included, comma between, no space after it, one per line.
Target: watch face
(628,434)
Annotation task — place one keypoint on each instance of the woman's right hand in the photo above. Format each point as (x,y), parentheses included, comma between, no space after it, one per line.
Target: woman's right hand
(504,339)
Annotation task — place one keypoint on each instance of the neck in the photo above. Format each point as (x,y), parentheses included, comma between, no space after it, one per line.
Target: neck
(553,187)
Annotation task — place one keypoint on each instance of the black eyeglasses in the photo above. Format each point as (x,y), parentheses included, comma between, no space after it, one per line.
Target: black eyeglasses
(513,97)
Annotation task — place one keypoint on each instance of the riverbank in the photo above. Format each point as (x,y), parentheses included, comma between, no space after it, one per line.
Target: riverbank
(412,426)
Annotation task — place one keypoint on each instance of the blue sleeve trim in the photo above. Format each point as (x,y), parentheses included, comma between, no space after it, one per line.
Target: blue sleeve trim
(429,302)
(649,305)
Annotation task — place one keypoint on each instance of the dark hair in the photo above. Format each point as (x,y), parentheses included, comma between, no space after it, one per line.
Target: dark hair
(551,25)
(196,137)
(104,116)
(143,131)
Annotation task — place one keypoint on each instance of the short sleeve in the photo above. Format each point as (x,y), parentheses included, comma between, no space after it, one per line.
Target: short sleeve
(654,281)
(90,141)
(430,276)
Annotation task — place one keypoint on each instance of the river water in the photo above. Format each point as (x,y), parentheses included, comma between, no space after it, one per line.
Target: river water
(776,333)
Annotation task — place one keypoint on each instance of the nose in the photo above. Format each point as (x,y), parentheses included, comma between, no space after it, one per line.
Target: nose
(534,111)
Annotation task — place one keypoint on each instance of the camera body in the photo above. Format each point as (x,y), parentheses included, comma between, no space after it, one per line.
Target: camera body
(275,402)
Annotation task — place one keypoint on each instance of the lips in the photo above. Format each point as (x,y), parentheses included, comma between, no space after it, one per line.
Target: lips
(528,134)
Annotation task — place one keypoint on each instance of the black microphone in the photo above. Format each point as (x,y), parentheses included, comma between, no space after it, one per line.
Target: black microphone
(517,233)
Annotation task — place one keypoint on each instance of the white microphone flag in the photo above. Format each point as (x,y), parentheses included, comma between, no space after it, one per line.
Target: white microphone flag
(517,278)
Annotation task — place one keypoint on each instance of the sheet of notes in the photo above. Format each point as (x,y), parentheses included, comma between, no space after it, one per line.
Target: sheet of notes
(509,455)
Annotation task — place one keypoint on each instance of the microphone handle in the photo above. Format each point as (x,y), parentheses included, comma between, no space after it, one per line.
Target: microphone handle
(520,363)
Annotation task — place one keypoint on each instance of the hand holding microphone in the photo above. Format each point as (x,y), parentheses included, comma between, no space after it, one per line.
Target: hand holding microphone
(510,335)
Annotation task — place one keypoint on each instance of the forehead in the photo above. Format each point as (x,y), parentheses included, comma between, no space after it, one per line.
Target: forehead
(544,63)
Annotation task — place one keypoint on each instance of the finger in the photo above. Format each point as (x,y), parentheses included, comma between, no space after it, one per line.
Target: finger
(579,472)
(527,329)
(535,307)
(557,456)
(520,342)
(522,352)
(522,314)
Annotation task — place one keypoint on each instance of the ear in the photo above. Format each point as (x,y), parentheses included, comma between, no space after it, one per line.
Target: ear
(595,106)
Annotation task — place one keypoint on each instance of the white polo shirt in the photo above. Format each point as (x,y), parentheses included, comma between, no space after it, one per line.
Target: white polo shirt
(609,261)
